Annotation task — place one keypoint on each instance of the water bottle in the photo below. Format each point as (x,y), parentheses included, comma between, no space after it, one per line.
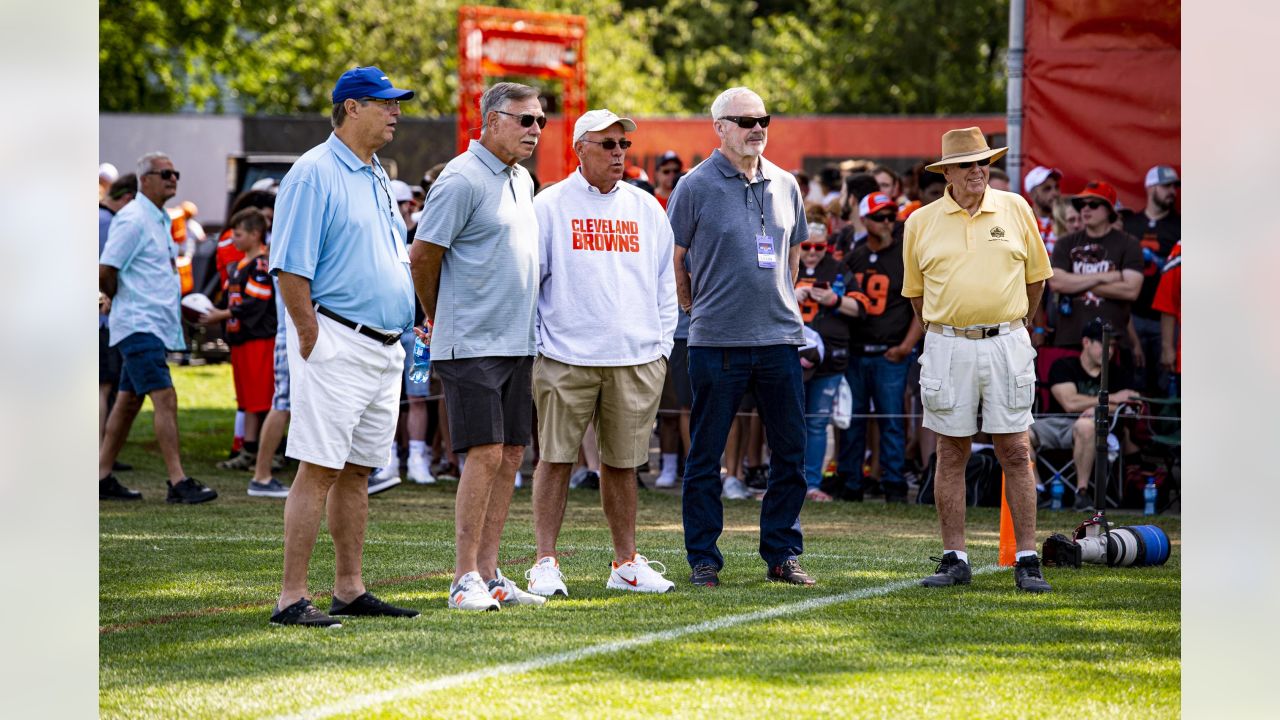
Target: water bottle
(1056,489)
(421,370)
(1149,496)
(1064,305)
(837,287)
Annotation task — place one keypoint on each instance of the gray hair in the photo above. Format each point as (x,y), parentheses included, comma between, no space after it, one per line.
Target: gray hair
(146,163)
(497,97)
(727,97)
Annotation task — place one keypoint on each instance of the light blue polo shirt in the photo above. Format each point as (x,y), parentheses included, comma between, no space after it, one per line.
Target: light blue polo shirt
(148,291)
(337,225)
(481,210)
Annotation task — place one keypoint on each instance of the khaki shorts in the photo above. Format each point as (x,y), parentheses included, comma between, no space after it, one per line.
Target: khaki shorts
(623,400)
(959,376)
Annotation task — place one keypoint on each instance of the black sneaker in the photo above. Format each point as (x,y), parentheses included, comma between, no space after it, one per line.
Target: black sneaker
(369,606)
(895,494)
(757,478)
(305,614)
(590,481)
(1028,577)
(1083,502)
(951,571)
(848,495)
(705,575)
(790,572)
(109,488)
(189,491)
(118,466)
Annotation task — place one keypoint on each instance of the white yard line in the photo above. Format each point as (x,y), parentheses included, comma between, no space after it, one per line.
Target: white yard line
(357,703)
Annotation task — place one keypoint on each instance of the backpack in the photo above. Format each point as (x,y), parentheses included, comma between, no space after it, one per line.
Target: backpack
(982,476)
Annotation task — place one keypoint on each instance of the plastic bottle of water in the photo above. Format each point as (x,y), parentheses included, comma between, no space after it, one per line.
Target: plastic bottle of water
(1149,496)
(421,370)
(837,287)
(1056,489)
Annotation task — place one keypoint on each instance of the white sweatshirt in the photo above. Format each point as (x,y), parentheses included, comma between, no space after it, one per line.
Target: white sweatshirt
(608,289)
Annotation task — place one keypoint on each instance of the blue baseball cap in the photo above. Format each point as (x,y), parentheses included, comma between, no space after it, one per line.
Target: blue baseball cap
(363,82)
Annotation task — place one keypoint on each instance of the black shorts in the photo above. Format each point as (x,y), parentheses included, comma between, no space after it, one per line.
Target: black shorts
(677,393)
(109,361)
(489,400)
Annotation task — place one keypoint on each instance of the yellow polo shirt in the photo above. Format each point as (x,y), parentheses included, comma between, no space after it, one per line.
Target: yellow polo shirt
(973,270)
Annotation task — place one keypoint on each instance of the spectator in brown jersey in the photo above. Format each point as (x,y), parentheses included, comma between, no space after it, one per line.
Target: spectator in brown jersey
(881,347)
(1097,271)
(1158,228)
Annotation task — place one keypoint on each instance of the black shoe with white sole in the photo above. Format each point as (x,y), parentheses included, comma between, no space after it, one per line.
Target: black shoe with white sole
(951,571)
(304,614)
(109,488)
(189,491)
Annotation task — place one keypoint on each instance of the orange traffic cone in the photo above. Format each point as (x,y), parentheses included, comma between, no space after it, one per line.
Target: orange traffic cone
(1008,541)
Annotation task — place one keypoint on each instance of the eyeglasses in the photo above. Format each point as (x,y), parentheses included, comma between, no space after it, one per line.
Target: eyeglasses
(610,144)
(745,122)
(527,120)
(883,218)
(980,163)
(383,103)
(807,246)
(165,174)
(1091,204)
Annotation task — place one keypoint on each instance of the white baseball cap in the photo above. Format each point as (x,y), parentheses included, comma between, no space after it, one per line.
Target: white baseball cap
(108,172)
(1161,175)
(266,183)
(1038,175)
(400,189)
(594,120)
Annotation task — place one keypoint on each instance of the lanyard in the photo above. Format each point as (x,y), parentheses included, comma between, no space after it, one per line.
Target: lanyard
(759,200)
(386,192)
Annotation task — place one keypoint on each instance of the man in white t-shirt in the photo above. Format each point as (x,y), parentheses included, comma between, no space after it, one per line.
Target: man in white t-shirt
(606,323)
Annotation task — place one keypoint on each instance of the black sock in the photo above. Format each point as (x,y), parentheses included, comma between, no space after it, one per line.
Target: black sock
(251,447)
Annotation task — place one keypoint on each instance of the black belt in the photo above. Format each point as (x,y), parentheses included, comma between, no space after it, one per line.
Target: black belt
(365,330)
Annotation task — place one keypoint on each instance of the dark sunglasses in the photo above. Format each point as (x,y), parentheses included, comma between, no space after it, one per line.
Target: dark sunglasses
(166,174)
(807,246)
(610,144)
(884,218)
(527,120)
(746,123)
(1091,204)
(980,163)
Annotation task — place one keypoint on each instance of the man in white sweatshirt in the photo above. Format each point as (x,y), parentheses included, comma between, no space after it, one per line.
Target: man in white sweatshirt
(606,325)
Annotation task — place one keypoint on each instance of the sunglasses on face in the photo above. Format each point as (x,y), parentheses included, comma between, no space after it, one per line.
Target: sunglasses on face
(746,123)
(610,144)
(980,163)
(1091,204)
(883,218)
(165,174)
(526,120)
(808,246)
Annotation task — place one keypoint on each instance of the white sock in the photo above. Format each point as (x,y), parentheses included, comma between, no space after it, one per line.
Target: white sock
(964,556)
(669,462)
(417,448)
(1024,553)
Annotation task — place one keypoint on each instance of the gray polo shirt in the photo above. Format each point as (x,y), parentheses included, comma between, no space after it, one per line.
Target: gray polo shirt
(716,216)
(481,210)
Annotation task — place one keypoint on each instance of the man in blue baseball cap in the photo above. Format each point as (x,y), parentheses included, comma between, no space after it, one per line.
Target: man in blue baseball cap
(338,251)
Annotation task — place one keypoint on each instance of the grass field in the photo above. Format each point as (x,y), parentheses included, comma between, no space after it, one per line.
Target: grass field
(185,593)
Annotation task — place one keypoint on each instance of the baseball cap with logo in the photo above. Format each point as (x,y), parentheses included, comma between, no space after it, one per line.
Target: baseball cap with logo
(363,82)
(594,120)
(1162,175)
(874,203)
(1037,175)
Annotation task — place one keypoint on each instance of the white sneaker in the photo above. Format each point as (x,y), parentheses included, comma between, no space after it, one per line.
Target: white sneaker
(420,470)
(390,472)
(639,575)
(665,481)
(508,593)
(734,489)
(546,579)
(471,594)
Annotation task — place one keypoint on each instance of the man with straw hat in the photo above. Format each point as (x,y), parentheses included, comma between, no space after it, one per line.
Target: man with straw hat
(975,268)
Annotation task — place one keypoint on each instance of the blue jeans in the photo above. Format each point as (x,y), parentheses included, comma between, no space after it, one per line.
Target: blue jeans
(819,396)
(719,378)
(874,377)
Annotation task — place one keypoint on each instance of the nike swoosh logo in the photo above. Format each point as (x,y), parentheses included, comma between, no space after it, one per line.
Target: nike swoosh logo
(632,582)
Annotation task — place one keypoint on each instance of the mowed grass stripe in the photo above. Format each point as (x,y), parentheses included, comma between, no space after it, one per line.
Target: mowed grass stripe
(371,700)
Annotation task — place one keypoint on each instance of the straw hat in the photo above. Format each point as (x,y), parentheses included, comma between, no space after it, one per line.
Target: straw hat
(966,145)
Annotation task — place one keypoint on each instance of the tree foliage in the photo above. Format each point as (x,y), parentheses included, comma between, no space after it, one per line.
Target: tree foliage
(644,56)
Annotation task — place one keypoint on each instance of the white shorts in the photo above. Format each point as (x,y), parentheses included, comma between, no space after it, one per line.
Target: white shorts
(959,375)
(345,397)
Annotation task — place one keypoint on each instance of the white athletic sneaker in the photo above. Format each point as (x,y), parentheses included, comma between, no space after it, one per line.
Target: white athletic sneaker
(471,594)
(390,472)
(639,575)
(665,481)
(734,489)
(508,593)
(546,579)
(420,470)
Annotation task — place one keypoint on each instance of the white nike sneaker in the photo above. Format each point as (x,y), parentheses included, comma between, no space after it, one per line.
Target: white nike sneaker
(639,575)
(471,594)
(546,579)
(508,593)
(734,489)
(665,481)
(390,472)
(420,470)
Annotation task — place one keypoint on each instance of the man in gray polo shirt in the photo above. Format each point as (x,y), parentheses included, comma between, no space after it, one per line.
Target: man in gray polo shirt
(738,222)
(475,269)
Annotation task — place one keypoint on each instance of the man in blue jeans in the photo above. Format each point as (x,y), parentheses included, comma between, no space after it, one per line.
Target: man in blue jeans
(738,221)
(881,346)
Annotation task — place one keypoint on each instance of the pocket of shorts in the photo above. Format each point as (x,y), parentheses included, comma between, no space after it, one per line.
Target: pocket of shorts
(319,350)
(1024,389)
(936,393)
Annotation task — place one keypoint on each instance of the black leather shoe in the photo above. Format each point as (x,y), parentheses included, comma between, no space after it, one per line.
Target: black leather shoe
(705,575)
(951,571)
(790,572)
(189,491)
(305,614)
(369,606)
(109,488)
(1028,577)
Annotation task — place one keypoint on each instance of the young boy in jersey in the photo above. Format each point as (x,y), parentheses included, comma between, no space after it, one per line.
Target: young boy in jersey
(250,318)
